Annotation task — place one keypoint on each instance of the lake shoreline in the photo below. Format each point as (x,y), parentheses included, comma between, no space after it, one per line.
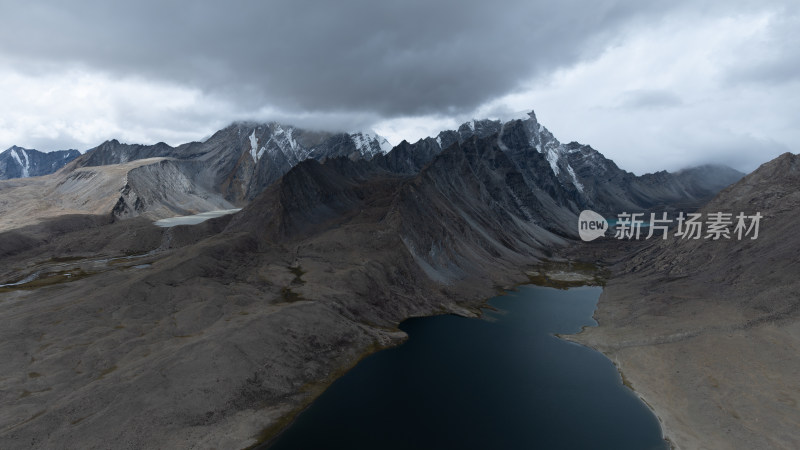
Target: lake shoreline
(271,432)
(665,430)
(560,275)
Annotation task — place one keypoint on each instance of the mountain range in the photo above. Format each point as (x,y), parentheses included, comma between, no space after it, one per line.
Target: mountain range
(237,163)
(215,335)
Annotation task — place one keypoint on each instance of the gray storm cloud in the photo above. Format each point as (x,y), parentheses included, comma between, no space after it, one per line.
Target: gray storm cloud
(386,58)
(692,81)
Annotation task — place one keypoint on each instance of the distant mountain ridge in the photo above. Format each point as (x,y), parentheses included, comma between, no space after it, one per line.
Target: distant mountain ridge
(18,162)
(236,164)
(245,157)
(585,177)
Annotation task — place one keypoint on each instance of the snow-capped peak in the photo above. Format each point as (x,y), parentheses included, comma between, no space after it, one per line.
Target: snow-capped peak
(554,151)
(370,144)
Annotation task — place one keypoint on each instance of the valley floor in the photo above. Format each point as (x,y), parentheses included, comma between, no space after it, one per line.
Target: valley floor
(219,345)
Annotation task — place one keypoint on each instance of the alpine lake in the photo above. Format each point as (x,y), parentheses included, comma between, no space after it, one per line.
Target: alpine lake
(501,381)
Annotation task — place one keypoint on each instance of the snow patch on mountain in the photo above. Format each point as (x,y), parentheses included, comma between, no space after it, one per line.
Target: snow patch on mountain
(575,181)
(16,157)
(25,166)
(284,141)
(552,158)
(254,153)
(285,138)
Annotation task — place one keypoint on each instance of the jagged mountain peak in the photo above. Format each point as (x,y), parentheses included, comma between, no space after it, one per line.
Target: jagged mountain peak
(525,130)
(297,144)
(370,143)
(581,175)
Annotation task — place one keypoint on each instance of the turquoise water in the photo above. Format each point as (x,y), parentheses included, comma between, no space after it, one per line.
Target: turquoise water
(499,382)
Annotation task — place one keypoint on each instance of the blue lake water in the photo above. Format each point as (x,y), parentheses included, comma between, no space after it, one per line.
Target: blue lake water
(499,382)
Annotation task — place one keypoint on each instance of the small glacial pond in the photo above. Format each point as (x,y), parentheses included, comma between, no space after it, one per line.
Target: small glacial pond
(500,382)
(194,219)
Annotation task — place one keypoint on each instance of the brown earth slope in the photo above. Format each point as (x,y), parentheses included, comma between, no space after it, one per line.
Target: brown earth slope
(155,188)
(708,332)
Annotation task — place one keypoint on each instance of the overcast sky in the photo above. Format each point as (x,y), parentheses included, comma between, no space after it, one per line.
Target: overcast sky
(653,85)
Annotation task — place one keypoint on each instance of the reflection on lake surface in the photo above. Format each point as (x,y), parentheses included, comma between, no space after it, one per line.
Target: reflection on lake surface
(499,382)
